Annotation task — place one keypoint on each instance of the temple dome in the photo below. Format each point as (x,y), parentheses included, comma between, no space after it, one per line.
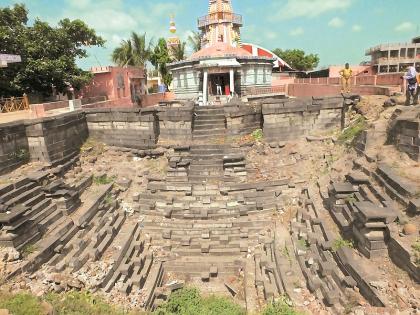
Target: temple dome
(220,50)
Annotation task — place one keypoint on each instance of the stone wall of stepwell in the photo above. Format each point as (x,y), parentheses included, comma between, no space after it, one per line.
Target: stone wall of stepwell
(57,138)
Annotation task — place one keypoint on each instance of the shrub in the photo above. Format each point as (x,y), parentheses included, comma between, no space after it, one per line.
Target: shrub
(188,301)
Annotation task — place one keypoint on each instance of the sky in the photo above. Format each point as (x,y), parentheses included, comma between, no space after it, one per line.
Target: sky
(338,31)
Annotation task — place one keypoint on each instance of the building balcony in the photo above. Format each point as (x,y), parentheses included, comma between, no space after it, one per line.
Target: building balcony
(217,18)
(395,60)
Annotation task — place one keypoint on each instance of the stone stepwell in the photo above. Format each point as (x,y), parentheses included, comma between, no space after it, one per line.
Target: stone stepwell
(207,221)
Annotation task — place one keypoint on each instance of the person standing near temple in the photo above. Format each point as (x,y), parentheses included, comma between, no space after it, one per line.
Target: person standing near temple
(412,87)
(346,75)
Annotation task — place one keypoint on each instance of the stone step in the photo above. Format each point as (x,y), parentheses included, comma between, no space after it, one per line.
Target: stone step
(49,223)
(39,211)
(210,167)
(24,196)
(208,146)
(208,125)
(209,133)
(16,192)
(213,136)
(200,118)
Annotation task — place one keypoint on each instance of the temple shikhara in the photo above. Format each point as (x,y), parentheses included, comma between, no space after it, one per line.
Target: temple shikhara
(222,67)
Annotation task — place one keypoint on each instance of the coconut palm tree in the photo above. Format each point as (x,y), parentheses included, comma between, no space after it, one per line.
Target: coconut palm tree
(133,52)
(178,52)
(195,41)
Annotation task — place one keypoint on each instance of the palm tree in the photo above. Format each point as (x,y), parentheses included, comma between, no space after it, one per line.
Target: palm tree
(133,52)
(123,55)
(195,41)
(178,52)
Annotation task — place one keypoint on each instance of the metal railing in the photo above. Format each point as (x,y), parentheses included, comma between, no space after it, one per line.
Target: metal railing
(220,17)
(14,104)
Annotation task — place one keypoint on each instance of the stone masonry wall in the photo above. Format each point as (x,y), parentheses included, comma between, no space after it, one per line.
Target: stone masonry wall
(13,146)
(404,131)
(56,138)
(130,128)
(291,118)
(175,123)
(243,119)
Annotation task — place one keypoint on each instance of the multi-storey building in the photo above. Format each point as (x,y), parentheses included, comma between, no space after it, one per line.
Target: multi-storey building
(395,57)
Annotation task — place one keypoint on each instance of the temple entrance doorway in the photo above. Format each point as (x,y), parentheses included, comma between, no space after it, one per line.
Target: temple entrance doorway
(219,84)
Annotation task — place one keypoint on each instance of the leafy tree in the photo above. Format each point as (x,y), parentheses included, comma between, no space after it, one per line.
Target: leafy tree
(178,52)
(160,58)
(297,59)
(133,52)
(195,41)
(48,53)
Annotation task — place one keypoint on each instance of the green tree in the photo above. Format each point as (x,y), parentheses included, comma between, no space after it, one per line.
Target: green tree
(297,59)
(194,41)
(48,53)
(178,52)
(135,51)
(160,58)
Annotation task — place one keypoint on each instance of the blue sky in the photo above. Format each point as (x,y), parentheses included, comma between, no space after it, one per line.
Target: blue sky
(337,30)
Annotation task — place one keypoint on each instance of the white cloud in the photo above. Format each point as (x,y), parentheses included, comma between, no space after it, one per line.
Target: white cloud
(336,22)
(270,34)
(357,28)
(405,27)
(310,8)
(297,31)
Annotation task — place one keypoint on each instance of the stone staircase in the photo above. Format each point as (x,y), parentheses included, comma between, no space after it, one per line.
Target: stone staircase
(206,163)
(209,121)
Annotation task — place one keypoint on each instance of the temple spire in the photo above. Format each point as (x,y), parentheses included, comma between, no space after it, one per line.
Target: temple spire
(221,25)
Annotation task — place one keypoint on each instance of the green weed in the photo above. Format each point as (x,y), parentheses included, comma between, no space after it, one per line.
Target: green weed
(103,180)
(281,306)
(257,135)
(350,134)
(20,304)
(340,243)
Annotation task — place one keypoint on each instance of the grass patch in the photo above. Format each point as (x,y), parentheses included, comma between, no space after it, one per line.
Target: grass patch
(340,243)
(82,303)
(103,180)
(281,306)
(257,135)
(303,243)
(350,134)
(28,249)
(109,199)
(20,304)
(188,301)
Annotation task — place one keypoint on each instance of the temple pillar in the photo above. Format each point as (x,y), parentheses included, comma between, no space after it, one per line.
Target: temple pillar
(232,81)
(205,87)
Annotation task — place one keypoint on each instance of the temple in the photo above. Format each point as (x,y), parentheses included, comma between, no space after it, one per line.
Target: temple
(222,67)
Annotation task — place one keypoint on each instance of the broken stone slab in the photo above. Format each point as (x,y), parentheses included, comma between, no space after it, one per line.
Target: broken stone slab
(317,139)
(414,206)
(371,212)
(344,188)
